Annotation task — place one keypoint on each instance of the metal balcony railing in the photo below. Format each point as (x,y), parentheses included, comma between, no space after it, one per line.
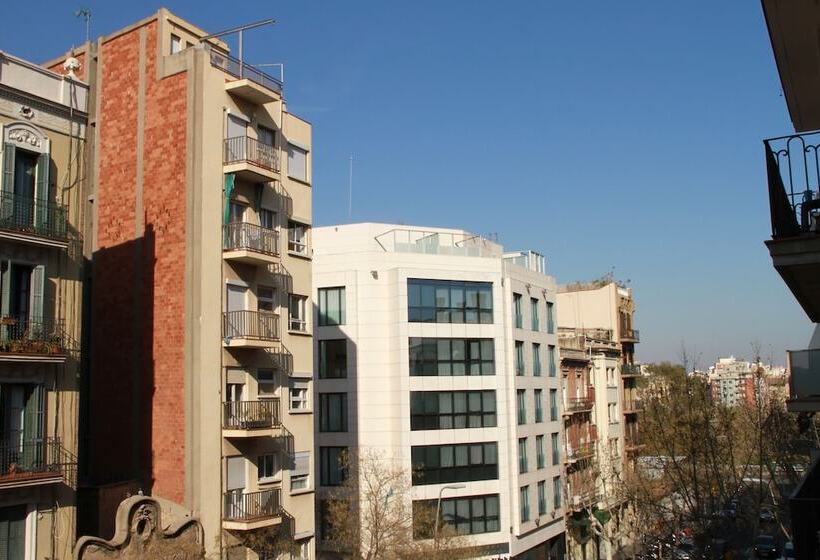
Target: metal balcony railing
(23,457)
(251,237)
(23,335)
(793,170)
(241,70)
(243,149)
(630,370)
(252,506)
(37,217)
(633,405)
(581,451)
(251,415)
(253,325)
(578,404)
(631,334)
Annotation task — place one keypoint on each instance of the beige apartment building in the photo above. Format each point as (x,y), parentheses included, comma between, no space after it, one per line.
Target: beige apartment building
(597,342)
(43,130)
(438,351)
(200,291)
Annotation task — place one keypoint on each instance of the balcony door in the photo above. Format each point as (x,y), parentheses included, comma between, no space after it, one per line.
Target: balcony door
(235,486)
(236,132)
(236,298)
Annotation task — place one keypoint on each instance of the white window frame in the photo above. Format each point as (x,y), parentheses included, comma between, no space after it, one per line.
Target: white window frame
(300,478)
(302,401)
(176,43)
(297,324)
(260,382)
(298,246)
(276,463)
(260,299)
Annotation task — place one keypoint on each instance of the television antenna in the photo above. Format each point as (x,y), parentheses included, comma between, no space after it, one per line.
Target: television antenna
(85,13)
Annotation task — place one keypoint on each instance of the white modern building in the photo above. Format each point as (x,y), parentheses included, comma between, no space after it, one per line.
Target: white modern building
(439,351)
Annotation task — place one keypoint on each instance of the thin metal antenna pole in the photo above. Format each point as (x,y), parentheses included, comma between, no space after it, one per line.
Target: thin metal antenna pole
(350,190)
(241,60)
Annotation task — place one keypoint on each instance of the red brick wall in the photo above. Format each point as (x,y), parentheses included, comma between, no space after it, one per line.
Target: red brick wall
(137,375)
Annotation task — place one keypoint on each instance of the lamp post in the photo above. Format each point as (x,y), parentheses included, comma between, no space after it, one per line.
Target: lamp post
(438,506)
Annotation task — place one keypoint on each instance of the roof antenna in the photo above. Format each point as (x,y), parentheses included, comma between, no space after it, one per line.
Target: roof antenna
(85,13)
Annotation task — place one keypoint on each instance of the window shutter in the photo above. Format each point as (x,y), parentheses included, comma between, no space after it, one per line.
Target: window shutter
(236,473)
(8,167)
(301,466)
(41,198)
(37,282)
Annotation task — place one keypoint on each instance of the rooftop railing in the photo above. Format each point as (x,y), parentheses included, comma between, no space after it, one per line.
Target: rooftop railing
(36,217)
(251,237)
(438,243)
(252,506)
(240,70)
(793,170)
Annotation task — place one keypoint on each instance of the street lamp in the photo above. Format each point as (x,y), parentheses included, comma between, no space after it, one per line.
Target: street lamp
(438,505)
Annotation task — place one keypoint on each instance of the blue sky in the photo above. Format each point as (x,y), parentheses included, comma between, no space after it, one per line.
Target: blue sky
(603,135)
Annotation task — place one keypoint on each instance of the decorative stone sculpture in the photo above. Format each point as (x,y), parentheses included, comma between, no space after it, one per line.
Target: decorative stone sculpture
(139,534)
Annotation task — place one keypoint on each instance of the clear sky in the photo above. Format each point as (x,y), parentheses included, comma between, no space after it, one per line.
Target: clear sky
(623,135)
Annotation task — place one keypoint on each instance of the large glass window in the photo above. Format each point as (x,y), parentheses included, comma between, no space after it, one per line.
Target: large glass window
(468,516)
(522,455)
(297,163)
(550,318)
(539,405)
(539,451)
(331,465)
(556,449)
(297,238)
(332,412)
(452,356)
(536,359)
(551,358)
(525,503)
(297,320)
(518,318)
(331,306)
(535,324)
(333,359)
(556,492)
(519,357)
(440,464)
(542,497)
(445,410)
(521,397)
(553,405)
(445,301)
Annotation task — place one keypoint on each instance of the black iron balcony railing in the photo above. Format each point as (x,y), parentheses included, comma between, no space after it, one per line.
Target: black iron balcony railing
(581,451)
(23,335)
(630,370)
(580,404)
(30,458)
(793,170)
(36,217)
(241,149)
(252,506)
(253,325)
(241,70)
(250,415)
(251,237)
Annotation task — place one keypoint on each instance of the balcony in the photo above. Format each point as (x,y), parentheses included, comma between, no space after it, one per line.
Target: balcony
(630,335)
(250,159)
(580,452)
(253,510)
(27,340)
(578,405)
(250,83)
(241,419)
(632,443)
(250,244)
(804,381)
(34,462)
(249,329)
(793,170)
(633,406)
(35,221)
(630,370)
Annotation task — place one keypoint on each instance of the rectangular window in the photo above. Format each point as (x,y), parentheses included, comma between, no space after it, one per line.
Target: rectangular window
(553,405)
(612,411)
(539,451)
(525,503)
(536,359)
(443,464)
(299,395)
(519,357)
(297,238)
(300,475)
(266,135)
(522,455)
(268,468)
(331,465)
(446,410)
(550,318)
(331,306)
(556,449)
(449,301)
(471,515)
(296,313)
(333,359)
(332,412)
(452,356)
(176,44)
(535,324)
(265,382)
(522,406)
(267,218)
(266,298)
(551,358)
(539,405)
(518,319)
(556,492)
(542,497)
(297,163)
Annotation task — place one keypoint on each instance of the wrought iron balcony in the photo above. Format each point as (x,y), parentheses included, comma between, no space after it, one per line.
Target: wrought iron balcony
(29,216)
(260,326)
(253,506)
(578,404)
(582,451)
(243,149)
(251,415)
(25,460)
(25,336)
(242,236)
(793,170)
(804,382)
